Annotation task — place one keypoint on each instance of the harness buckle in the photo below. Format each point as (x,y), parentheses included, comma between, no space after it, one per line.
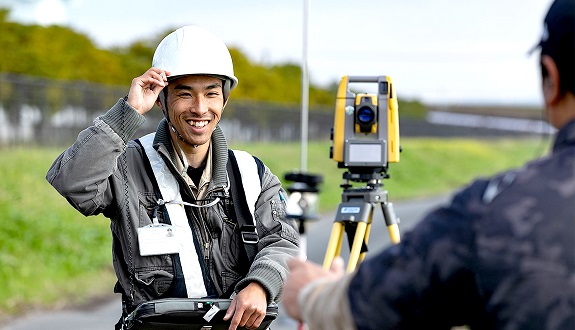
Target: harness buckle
(249,234)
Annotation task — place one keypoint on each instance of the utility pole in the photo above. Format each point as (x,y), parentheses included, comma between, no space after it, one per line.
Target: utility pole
(304,89)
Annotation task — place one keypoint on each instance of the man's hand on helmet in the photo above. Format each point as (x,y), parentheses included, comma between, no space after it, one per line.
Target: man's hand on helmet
(145,89)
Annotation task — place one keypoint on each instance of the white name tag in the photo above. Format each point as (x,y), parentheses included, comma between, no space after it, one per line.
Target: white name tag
(157,239)
(211,313)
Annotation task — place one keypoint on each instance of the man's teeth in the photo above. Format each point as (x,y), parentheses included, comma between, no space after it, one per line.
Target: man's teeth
(198,123)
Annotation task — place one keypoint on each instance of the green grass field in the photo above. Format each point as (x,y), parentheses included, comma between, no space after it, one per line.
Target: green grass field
(51,255)
(426,167)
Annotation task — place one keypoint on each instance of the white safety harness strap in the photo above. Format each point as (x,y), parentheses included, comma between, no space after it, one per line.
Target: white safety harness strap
(249,172)
(170,191)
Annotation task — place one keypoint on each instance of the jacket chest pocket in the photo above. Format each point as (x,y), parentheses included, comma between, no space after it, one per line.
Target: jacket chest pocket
(231,245)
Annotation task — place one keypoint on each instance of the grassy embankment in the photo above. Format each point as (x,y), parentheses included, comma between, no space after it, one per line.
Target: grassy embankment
(50,255)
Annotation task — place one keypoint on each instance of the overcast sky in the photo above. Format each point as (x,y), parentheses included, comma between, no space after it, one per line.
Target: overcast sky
(437,51)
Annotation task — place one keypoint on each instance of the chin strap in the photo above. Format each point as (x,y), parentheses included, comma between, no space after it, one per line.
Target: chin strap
(162,97)
(179,135)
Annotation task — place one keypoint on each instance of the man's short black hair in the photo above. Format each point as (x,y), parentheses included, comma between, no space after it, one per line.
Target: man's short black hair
(558,42)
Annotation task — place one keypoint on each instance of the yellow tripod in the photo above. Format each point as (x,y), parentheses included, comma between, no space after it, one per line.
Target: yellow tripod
(354,216)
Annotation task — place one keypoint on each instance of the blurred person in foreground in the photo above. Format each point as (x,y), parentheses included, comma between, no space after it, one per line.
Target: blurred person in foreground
(201,252)
(500,256)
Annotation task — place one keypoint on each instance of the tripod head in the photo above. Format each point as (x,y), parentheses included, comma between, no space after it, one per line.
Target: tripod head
(372,176)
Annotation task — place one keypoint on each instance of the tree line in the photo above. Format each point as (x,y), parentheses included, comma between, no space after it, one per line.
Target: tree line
(58,52)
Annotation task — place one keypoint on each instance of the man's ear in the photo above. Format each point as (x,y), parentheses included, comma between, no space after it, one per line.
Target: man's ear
(159,104)
(550,84)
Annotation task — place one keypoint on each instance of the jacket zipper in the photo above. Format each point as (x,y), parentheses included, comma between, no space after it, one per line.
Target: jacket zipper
(204,235)
(203,227)
(206,251)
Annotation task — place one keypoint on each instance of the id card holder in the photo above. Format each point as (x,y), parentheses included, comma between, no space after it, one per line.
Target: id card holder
(156,239)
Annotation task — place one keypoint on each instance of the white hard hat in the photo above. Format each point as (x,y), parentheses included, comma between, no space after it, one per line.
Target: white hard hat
(194,50)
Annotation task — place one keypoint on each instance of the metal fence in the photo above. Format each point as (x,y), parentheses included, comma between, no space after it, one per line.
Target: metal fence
(51,112)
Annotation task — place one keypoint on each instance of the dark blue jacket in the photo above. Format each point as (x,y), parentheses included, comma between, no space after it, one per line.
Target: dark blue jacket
(500,256)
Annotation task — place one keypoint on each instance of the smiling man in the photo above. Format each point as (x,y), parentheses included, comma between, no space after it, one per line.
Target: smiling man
(175,226)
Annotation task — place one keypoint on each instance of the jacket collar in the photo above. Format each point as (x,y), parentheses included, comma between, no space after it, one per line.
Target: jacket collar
(565,137)
(163,143)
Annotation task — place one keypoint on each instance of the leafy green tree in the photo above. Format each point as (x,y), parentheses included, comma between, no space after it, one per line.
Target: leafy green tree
(54,52)
(60,53)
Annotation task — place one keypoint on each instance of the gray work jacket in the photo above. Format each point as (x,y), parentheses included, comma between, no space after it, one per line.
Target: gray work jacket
(104,172)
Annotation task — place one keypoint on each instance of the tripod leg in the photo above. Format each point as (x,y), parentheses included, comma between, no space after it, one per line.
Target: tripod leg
(356,247)
(367,232)
(394,233)
(391,221)
(334,245)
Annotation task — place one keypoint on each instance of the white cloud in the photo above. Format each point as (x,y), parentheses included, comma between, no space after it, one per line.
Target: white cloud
(49,12)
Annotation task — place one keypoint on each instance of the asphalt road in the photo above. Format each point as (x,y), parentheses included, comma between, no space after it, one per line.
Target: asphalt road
(104,316)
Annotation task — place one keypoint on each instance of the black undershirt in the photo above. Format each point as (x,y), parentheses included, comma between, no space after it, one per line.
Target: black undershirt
(196,173)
